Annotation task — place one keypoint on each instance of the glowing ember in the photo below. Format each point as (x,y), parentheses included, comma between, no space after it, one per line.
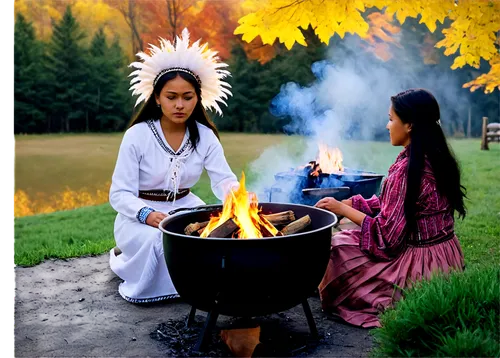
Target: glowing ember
(242,207)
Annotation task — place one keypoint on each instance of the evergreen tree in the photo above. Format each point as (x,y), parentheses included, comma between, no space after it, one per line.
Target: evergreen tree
(124,102)
(243,106)
(28,113)
(108,107)
(67,66)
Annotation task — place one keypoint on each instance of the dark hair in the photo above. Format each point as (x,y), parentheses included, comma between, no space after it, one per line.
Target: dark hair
(427,140)
(150,110)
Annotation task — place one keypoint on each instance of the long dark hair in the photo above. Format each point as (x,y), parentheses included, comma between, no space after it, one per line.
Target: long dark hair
(150,110)
(427,140)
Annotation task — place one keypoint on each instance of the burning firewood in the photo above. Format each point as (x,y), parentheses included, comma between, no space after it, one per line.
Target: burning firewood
(269,226)
(283,218)
(192,229)
(315,169)
(225,230)
(296,226)
(268,229)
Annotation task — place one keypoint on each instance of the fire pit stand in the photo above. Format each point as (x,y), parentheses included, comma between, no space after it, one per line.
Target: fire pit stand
(246,277)
(213,315)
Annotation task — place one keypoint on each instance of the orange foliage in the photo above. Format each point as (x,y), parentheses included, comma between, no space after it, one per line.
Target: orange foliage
(380,34)
(215,24)
(256,50)
(211,21)
(428,50)
(65,200)
(164,18)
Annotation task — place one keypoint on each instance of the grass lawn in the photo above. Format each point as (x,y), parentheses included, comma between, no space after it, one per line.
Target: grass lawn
(49,163)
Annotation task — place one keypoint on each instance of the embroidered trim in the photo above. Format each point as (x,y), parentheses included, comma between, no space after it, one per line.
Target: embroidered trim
(185,147)
(149,300)
(143,213)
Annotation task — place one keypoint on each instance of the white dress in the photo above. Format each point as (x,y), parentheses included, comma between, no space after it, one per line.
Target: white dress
(145,162)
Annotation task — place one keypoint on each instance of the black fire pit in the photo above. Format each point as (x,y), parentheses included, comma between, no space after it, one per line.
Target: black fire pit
(247,277)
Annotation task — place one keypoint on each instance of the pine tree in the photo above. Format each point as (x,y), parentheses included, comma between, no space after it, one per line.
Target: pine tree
(109,99)
(123,100)
(67,66)
(243,106)
(28,113)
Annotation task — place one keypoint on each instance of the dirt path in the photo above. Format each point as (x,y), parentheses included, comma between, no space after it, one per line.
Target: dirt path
(72,308)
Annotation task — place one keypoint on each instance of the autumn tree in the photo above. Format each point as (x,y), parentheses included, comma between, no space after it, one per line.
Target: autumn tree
(380,35)
(41,14)
(91,15)
(176,10)
(215,24)
(132,14)
(472,32)
(167,18)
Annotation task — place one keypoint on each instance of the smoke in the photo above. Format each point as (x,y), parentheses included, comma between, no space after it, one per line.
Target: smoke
(350,100)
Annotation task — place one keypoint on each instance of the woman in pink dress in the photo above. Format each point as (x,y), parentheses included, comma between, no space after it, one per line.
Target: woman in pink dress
(407,233)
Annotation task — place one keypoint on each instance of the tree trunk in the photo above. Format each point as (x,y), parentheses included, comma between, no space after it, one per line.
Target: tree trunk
(172,17)
(484,139)
(469,123)
(87,120)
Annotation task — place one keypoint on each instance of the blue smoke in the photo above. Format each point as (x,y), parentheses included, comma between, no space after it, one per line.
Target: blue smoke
(301,103)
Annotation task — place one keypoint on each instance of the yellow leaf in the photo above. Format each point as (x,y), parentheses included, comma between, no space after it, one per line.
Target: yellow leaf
(401,16)
(472,31)
(277,18)
(431,26)
(490,81)
(458,63)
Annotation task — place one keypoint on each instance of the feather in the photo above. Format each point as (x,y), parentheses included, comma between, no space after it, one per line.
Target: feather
(198,58)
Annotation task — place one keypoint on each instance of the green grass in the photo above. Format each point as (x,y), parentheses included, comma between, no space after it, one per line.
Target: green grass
(479,233)
(454,316)
(79,232)
(48,164)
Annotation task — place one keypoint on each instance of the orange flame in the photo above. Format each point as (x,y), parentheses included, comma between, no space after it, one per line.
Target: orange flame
(329,159)
(242,207)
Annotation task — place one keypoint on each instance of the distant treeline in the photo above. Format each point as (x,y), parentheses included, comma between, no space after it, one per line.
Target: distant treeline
(73,83)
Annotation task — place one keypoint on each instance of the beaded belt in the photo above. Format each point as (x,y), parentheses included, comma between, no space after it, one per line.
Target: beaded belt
(163,195)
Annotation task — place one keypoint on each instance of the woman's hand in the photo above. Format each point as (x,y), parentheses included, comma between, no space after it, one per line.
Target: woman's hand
(347,202)
(331,204)
(154,218)
(343,208)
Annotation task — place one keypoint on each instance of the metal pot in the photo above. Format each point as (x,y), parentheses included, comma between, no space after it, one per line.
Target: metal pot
(247,277)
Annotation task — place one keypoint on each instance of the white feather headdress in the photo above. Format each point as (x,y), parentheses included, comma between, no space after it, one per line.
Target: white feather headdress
(197,60)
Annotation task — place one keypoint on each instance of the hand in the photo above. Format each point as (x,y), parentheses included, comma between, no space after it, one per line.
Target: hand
(347,202)
(154,218)
(331,204)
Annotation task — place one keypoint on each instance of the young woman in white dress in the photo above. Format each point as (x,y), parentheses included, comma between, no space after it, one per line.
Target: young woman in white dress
(162,155)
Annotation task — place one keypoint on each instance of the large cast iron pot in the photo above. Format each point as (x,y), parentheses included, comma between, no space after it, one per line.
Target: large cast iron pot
(247,277)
